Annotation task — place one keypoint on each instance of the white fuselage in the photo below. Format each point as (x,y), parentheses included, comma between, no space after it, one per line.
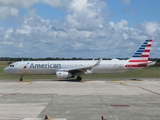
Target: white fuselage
(51,67)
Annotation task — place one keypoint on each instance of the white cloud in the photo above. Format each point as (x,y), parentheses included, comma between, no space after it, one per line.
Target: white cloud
(8,11)
(18,3)
(119,25)
(28,3)
(57,3)
(84,14)
(126,2)
(20,45)
(11,7)
(125,36)
(8,32)
(7,43)
(151,28)
(78,45)
(36,33)
(25,30)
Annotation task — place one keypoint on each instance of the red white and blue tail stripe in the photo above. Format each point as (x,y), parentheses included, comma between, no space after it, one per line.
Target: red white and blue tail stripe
(140,58)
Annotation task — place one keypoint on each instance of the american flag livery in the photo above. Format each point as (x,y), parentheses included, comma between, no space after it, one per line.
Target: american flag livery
(140,58)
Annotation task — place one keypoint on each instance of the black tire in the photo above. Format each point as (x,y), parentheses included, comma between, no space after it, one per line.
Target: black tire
(21,78)
(79,78)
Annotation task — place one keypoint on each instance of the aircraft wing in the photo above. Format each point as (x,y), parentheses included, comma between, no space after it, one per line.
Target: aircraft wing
(81,69)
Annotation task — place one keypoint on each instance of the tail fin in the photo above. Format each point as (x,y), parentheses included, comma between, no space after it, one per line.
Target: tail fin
(140,58)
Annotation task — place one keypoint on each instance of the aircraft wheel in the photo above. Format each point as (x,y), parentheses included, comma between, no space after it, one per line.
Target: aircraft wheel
(21,78)
(79,78)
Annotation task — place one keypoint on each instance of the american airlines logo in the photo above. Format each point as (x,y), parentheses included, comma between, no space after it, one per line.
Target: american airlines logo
(26,65)
(45,65)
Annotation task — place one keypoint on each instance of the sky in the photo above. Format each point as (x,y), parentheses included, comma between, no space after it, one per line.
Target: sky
(78,28)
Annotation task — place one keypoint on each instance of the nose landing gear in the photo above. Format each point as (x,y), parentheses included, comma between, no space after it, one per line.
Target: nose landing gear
(21,78)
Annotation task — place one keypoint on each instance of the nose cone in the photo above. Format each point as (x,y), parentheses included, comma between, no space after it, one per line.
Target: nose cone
(5,70)
(8,70)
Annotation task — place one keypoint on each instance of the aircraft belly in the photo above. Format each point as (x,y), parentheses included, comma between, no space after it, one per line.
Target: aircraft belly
(38,71)
(109,70)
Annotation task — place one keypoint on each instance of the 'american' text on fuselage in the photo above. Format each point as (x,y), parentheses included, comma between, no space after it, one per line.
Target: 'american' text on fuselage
(45,65)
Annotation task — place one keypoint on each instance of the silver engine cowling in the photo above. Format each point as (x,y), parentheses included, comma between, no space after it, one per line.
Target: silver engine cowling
(64,75)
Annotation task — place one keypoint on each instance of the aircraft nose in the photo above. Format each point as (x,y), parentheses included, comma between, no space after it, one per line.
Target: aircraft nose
(5,70)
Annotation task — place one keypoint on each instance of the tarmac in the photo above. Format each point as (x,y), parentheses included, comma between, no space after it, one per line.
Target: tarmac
(87,100)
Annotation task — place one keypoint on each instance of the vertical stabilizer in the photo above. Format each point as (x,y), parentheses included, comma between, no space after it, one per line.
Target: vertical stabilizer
(140,58)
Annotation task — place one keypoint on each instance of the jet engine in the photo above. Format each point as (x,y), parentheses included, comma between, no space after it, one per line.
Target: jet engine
(64,75)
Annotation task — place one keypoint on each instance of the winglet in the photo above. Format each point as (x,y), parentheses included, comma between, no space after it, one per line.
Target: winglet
(97,63)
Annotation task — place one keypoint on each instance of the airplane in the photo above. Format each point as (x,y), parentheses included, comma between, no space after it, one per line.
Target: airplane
(70,68)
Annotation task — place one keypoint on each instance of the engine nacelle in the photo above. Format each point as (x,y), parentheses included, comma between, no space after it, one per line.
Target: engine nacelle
(64,75)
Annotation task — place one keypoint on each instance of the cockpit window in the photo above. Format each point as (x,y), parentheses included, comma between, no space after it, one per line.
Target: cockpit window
(11,66)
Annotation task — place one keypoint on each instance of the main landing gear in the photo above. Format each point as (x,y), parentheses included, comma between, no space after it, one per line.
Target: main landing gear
(21,78)
(79,78)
